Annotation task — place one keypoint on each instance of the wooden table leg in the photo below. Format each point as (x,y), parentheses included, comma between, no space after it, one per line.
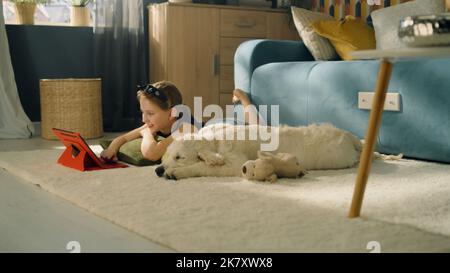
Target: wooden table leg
(384,76)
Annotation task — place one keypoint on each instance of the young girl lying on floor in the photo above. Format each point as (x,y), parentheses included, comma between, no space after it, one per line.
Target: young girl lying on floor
(157,104)
(159,116)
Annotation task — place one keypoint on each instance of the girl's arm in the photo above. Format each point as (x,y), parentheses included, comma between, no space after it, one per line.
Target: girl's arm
(150,148)
(153,150)
(115,145)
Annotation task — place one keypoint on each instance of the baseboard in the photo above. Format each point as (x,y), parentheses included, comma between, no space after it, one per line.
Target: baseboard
(37,128)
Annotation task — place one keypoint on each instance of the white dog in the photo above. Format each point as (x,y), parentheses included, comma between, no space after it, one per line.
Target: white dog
(220,149)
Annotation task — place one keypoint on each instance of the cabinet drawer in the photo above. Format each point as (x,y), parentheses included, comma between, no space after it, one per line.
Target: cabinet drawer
(226,78)
(228,48)
(280,26)
(235,23)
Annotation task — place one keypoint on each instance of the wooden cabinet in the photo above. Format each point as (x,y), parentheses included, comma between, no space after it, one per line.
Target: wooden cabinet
(193,45)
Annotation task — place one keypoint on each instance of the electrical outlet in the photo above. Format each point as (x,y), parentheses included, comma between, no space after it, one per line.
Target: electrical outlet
(392,103)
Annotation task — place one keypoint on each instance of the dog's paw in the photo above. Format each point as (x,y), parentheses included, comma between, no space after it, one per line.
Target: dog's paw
(211,158)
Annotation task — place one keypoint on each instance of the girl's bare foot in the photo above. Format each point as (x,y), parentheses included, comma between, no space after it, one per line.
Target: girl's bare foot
(240,96)
(251,114)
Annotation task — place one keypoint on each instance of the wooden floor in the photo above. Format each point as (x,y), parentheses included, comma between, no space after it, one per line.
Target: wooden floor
(33,220)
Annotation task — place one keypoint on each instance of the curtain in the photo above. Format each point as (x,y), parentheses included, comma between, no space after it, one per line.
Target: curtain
(119,60)
(14,123)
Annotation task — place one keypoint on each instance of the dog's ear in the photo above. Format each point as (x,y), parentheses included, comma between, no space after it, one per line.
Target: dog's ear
(211,158)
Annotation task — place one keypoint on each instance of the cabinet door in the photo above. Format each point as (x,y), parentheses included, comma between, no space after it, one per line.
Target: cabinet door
(158,42)
(193,53)
(280,26)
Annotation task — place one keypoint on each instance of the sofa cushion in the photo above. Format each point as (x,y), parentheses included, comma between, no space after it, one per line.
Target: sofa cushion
(327,92)
(386,21)
(347,35)
(285,85)
(313,92)
(254,53)
(320,47)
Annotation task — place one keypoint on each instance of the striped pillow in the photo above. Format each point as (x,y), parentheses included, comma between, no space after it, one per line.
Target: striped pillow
(320,47)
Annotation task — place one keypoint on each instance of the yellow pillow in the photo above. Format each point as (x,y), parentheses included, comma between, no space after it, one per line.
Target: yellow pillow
(347,35)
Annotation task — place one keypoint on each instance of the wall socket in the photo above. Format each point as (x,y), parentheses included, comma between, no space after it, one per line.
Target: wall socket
(392,103)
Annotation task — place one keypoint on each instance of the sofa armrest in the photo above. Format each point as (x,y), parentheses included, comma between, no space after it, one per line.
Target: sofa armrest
(254,53)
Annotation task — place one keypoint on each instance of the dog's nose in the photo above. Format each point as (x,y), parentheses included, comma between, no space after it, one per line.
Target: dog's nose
(244,169)
(160,171)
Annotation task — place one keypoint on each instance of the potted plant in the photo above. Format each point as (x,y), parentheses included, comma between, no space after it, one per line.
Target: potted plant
(79,12)
(25,10)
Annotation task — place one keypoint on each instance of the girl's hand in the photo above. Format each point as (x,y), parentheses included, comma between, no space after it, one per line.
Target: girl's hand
(109,155)
(145,132)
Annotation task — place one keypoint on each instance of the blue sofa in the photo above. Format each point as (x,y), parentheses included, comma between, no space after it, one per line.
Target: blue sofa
(284,73)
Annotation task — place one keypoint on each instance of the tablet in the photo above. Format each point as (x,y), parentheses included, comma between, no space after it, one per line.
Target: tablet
(78,155)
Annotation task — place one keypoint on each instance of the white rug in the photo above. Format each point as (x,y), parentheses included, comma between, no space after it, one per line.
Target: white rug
(406,208)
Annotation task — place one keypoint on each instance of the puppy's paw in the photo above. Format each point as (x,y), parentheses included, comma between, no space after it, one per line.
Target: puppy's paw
(211,158)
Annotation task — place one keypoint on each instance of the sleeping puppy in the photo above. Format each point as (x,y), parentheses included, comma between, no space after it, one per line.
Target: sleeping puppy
(220,149)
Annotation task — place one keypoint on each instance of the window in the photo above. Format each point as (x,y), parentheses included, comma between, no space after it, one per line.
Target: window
(55,13)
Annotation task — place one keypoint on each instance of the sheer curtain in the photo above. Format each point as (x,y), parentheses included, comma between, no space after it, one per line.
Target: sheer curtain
(120,59)
(14,123)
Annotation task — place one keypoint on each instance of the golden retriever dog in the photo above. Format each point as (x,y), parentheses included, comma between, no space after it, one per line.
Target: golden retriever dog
(221,149)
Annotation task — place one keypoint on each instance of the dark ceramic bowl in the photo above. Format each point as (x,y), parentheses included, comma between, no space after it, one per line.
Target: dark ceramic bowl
(425,30)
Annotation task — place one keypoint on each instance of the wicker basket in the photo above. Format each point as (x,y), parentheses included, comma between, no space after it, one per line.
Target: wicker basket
(80,16)
(71,104)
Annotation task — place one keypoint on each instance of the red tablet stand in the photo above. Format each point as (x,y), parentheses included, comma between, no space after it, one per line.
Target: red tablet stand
(78,155)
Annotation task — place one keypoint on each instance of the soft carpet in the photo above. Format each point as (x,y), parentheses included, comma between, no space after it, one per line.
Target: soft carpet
(406,208)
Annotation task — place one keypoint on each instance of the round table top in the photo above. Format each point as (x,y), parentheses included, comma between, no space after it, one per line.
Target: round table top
(409,52)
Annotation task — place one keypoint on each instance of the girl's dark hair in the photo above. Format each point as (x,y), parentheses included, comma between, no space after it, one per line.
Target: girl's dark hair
(169,90)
